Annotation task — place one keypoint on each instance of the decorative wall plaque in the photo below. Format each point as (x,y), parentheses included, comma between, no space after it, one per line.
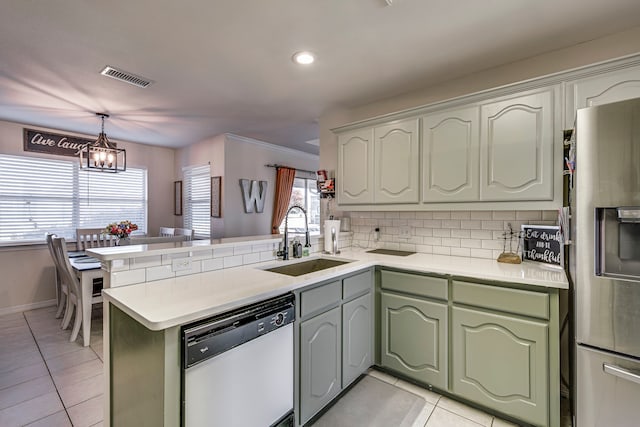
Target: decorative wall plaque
(53,143)
(253,195)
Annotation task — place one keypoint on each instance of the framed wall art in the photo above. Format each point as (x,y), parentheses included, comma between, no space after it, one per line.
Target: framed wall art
(177,198)
(216,185)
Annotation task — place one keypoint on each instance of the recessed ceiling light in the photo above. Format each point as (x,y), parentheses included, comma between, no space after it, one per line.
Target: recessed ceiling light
(303,58)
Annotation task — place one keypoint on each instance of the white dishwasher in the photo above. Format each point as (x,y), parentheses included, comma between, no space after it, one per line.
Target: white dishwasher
(238,367)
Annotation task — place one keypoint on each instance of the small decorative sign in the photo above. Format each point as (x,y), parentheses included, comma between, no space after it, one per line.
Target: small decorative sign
(542,243)
(216,188)
(53,143)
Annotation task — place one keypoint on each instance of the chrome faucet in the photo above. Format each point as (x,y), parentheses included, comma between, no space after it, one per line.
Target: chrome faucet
(284,252)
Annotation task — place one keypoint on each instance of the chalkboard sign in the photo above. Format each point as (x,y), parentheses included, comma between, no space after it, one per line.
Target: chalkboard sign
(542,243)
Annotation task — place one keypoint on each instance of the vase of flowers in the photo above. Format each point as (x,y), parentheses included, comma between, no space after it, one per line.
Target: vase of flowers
(121,230)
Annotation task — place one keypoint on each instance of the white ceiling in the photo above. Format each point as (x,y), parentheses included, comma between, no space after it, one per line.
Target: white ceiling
(225,65)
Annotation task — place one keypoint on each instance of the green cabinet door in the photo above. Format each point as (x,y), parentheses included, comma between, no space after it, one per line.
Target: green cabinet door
(320,360)
(357,334)
(414,338)
(501,362)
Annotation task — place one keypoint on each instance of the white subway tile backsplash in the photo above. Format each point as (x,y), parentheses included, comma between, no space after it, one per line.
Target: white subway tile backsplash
(251,258)
(460,215)
(451,242)
(400,222)
(440,232)
(223,252)
(378,215)
(481,234)
(550,216)
(407,247)
(504,215)
(492,225)
(408,215)
(442,215)
(441,250)
(433,241)
(200,255)
(424,232)
(196,267)
(463,234)
(232,261)
(492,244)
(425,249)
(450,223)
(260,248)
(241,250)
(424,215)
(482,253)
(529,215)
(267,256)
(471,225)
(470,243)
(432,223)
(144,262)
(417,223)
(392,215)
(129,277)
(159,273)
(465,252)
(212,264)
(481,215)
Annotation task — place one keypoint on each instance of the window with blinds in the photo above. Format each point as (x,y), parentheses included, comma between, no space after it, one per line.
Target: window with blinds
(39,196)
(197,200)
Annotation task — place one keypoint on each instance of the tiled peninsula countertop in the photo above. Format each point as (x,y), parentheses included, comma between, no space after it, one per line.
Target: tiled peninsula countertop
(172,302)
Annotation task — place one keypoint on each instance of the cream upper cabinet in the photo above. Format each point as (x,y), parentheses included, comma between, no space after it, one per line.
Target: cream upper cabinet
(517,147)
(355,167)
(396,162)
(601,89)
(450,156)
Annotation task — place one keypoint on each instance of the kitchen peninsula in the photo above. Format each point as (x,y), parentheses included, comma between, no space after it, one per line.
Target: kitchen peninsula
(482,300)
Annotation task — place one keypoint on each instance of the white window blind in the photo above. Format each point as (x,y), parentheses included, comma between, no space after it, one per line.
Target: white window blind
(197,200)
(42,195)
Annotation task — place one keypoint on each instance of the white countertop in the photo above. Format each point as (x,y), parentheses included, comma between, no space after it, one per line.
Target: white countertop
(172,302)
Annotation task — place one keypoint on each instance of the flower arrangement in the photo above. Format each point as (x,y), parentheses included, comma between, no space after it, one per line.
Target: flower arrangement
(121,229)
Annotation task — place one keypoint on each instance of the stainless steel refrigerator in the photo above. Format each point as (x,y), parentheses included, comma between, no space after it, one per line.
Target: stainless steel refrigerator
(605,265)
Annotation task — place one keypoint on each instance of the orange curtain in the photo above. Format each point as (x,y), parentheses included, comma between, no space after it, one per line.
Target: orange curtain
(284,185)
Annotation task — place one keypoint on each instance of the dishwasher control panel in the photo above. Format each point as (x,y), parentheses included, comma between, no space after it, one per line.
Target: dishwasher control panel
(205,339)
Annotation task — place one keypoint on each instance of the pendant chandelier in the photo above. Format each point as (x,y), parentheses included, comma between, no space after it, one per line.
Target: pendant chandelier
(103,155)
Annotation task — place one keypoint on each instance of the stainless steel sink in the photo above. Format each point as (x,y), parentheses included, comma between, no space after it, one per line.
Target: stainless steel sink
(390,252)
(306,267)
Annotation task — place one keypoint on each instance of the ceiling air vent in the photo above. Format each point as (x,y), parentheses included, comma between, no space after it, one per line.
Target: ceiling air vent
(125,76)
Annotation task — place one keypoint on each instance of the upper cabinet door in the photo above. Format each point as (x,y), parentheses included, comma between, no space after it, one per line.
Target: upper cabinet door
(355,167)
(397,162)
(450,156)
(516,147)
(601,89)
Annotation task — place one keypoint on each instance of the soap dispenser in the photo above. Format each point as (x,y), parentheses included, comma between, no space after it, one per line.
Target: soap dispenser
(297,248)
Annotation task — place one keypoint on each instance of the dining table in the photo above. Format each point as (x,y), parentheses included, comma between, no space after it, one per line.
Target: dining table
(87,269)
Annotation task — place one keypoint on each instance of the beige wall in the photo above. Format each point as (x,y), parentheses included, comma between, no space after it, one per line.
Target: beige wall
(27,271)
(610,47)
(236,158)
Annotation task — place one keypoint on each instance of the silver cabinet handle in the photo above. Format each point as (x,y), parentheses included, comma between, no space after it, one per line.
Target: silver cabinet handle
(623,373)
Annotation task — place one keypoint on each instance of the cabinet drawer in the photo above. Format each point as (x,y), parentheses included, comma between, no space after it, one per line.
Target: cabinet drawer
(517,301)
(320,297)
(433,287)
(357,284)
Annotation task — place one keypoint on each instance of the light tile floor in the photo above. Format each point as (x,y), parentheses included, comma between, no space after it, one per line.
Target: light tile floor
(47,381)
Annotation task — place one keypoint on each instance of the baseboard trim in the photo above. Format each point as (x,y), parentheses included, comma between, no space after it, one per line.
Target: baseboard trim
(27,307)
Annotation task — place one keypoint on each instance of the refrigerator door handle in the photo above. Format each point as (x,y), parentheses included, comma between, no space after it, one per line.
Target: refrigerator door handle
(619,372)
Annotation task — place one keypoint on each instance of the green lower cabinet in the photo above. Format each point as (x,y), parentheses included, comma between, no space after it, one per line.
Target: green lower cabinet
(357,334)
(501,362)
(413,336)
(320,362)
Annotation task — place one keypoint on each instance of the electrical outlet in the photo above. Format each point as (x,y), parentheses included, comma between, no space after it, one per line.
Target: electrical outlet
(181,264)
(405,232)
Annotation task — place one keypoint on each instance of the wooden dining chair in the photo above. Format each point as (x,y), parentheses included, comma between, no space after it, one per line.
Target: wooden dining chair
(93,238)
(61,290)
(167,232)
(185,232)
(70,281)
